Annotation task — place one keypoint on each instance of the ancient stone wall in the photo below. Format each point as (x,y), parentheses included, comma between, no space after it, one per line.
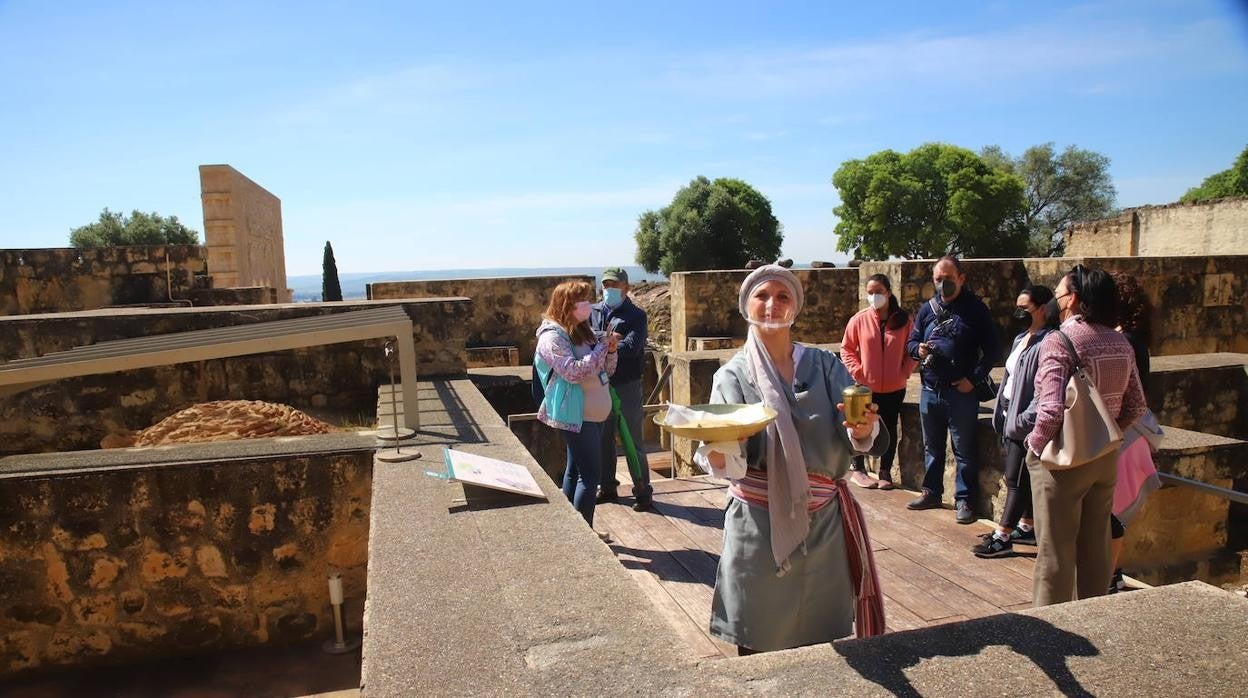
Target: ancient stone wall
(704,304)
(1207,393)
(505,311)
(1200,304)
(1108,237)
(1209,228)
(139,563)
(243,231)
(77,413)
(59,280)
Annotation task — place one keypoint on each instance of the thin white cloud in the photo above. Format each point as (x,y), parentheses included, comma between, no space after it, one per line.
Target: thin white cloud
(1045,50)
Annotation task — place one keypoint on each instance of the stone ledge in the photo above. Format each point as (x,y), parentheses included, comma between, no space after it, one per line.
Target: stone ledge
(44,464)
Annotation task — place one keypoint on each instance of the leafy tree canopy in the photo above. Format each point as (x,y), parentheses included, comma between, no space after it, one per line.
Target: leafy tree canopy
(720,224)
(113,230)
(1061,188)
(936,199)
(1232,182)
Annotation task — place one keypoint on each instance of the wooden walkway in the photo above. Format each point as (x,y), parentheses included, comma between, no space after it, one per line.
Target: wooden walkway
(927,571)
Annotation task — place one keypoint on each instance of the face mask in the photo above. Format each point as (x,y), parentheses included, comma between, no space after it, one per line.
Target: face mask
(1022,315)
(948,287)
(772,321)
(612,296)
(876,300)
(581,313)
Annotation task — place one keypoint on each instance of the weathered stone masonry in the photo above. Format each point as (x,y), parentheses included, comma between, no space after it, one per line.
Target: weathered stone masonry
(127,564)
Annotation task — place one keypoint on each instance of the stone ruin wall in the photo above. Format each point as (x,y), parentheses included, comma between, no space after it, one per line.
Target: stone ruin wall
(133,564)
(505,311)
(1209,228)
(704,304)
(77,413)
(1199,304)
(61,280)
(243,231)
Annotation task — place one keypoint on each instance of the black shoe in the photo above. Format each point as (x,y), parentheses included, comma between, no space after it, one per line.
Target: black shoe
(607,497)
(993,546)
(964,515)
(643,501)
(927,500)
(1028,538)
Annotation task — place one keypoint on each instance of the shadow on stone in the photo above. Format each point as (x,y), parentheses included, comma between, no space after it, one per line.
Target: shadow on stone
(478,498)
(458,416)
(884,660)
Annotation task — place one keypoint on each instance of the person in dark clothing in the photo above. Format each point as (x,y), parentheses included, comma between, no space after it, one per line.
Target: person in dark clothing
(956,345)
(1013,418)
(619,315)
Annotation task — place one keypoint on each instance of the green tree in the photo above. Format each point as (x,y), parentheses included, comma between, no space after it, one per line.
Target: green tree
(1061,188)
(720,224)
(1232,182)
(331,290)
(936,199)
(114,230)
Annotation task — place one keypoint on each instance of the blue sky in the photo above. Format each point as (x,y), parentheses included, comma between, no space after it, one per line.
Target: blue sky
(462,135)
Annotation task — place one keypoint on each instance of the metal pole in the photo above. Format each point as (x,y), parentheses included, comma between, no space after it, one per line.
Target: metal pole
(396,454)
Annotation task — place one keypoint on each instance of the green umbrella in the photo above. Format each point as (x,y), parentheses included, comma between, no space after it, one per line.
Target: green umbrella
(626,438)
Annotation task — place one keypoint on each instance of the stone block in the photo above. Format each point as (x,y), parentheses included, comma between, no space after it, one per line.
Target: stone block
(505,311)
(486,357)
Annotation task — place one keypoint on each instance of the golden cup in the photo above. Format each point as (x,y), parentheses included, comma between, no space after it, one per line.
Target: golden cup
(856,398)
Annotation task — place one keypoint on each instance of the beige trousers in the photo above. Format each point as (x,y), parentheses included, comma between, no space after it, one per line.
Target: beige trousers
(1072,509)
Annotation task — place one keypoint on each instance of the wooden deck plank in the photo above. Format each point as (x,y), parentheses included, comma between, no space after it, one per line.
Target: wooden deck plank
(687,552)
(690,594)
(898,617)
(995,589)
(939,522)
(687,634)
(966,602)
(916,600)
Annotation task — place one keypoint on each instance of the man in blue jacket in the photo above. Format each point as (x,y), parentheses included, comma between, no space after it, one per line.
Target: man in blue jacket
(616,313)
(956,345)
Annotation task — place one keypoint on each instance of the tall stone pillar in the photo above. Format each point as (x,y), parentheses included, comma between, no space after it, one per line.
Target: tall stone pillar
(243,231)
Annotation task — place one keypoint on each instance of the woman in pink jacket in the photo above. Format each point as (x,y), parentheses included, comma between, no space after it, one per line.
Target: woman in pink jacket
(874,351)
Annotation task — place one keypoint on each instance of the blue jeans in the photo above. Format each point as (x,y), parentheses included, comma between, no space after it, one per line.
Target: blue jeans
(630,405)
(942,411)
(584,469)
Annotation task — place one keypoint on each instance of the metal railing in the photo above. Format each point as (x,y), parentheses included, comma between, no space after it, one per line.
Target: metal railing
(1233,495)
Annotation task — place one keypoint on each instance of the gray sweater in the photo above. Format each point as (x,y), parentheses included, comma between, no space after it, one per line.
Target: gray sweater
(1015,414)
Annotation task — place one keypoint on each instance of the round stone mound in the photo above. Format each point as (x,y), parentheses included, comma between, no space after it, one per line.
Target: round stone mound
(228,420)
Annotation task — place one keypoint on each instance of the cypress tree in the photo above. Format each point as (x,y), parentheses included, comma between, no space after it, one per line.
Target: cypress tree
(331,290)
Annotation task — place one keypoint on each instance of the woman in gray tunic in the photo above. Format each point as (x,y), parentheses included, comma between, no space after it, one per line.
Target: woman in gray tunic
(796,563)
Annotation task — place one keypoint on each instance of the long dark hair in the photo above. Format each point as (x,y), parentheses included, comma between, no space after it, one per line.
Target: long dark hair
(897,318)
(1097,293)
(1134,307)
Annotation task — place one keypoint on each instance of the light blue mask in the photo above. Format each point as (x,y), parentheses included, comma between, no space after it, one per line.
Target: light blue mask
(612,296)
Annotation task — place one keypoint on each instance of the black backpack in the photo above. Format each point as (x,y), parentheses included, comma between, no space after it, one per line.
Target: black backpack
(538,387)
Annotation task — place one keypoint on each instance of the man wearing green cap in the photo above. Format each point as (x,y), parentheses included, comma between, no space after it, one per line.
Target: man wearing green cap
(617,314)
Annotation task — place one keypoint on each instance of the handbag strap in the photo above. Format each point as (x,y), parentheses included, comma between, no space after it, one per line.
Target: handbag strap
(1071,346)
